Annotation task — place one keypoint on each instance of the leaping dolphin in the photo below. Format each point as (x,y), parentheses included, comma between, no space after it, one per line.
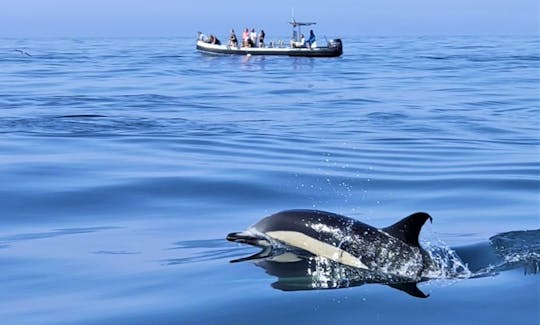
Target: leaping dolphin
(393,251)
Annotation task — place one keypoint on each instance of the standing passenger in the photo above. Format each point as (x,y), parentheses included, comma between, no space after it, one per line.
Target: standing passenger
(261,38)
(311,39)
(253,36)
(233,41)
(294,37)
(245,36)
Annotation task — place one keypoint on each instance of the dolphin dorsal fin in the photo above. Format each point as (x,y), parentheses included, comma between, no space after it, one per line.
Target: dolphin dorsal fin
(408,229)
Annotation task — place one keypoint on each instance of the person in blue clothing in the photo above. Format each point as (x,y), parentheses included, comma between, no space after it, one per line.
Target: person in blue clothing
(311,40)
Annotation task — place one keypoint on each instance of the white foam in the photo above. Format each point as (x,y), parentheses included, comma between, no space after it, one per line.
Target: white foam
(445,263)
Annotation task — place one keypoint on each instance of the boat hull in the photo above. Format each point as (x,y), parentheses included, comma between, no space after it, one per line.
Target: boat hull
(334,49)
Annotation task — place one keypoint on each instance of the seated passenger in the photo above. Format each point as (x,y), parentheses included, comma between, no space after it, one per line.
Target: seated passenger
(213,40)
(250,43)
(302,42)
(201,37)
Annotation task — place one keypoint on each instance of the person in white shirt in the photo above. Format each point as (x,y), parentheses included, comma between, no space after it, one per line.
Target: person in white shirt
(253,36)
(201,37)
(302,42)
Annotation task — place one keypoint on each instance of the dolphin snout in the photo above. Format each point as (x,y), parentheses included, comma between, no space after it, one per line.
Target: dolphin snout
(248,238)
(239,237)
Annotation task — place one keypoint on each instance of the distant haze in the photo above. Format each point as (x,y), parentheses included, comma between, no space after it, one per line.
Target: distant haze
(80,18)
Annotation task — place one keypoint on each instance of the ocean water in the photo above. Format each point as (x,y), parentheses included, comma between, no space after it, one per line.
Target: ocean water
(124,163)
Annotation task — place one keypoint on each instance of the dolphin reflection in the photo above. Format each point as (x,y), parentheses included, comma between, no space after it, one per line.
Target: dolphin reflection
(301,272)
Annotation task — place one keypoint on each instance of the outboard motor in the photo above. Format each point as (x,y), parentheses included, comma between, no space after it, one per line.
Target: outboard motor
(336,44)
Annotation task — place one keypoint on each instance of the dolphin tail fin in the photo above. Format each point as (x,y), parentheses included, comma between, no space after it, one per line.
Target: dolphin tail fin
(409,288)
(408,229)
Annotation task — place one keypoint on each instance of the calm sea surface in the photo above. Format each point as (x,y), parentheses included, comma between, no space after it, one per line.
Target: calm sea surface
(125,162)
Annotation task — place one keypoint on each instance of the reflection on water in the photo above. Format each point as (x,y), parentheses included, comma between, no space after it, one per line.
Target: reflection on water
(296,272)
(203,250)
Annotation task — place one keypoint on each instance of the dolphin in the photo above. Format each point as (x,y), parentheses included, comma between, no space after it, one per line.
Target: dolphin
(393,251)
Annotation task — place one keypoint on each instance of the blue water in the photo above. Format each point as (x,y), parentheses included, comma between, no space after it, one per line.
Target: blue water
(125,162)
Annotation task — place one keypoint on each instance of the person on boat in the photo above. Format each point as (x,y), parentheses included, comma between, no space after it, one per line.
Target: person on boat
(294,37)
(245,37)
(311,40)
(201,37)
(302,42)
(253,36)
(261,38)
(213,40)
(250,43)
(233,41)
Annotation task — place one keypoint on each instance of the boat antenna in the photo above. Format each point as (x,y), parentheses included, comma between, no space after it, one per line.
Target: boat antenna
(293,21)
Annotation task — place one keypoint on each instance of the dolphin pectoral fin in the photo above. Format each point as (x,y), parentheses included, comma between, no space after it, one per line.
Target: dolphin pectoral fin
(260,255)
(410,288)
(408,229)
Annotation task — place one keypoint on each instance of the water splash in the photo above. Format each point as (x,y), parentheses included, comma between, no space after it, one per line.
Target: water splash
(518,248)
(327,274)
(445,263)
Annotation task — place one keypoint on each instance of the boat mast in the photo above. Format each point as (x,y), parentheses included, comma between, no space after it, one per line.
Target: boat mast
(296,24)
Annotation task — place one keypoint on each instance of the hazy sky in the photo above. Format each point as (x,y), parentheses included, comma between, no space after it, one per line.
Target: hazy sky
(27,18)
